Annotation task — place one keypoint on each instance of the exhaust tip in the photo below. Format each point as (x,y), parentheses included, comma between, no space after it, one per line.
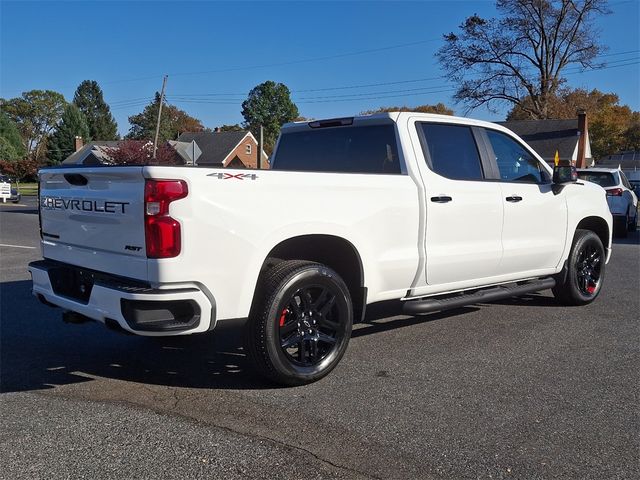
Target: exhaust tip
(74,317)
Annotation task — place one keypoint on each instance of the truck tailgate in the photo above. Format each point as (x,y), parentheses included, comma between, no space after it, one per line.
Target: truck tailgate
(94,217)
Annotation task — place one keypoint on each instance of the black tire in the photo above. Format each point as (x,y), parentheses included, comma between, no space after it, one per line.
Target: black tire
(300,323)
(586,268)
(620,226)
(633,223)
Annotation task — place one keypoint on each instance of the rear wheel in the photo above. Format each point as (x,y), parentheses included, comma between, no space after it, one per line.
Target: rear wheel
(633,221)
(620,225)
(586,268)
(300,325)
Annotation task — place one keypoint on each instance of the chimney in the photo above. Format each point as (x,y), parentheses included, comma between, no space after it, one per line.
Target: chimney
(79,143)
(581,161)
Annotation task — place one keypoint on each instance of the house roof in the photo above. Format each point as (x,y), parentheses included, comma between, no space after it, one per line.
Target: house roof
(547,136)
(91,153)
(625,160)
(215,146)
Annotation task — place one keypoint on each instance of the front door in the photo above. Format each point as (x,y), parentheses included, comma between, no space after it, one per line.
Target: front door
(535,216)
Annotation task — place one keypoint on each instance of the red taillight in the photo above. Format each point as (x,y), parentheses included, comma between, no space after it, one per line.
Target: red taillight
(616,192)
(162,233)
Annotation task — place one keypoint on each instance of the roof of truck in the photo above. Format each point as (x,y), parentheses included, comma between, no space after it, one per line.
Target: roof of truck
(398,116)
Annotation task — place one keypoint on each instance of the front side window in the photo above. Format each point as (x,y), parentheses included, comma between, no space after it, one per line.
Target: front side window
(515,163)
(363,149)
(625,182)
(451,151)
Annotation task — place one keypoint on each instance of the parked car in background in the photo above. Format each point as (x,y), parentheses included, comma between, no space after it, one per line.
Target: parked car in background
(7,192)
(622,200)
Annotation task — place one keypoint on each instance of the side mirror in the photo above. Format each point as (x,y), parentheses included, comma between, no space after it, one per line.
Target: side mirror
(564,174)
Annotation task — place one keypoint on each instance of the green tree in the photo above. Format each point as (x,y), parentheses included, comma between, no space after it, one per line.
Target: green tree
(523,53)
(36,112)
(439,108)
(231,128)
(88,98)
(11,146)
(612,127)
(173,122)
(268,104)
(63,140)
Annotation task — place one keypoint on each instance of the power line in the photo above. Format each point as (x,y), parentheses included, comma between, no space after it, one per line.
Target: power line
(193,98)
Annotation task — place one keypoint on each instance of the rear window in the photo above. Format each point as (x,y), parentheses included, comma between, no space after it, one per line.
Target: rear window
(604,179)
(366,149)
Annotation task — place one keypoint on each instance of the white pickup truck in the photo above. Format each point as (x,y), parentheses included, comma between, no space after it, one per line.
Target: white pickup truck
(434,211)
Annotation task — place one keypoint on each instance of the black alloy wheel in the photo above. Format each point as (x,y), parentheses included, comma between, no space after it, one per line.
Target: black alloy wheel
(590,260)
(581,281)
(300,323)
(310,326)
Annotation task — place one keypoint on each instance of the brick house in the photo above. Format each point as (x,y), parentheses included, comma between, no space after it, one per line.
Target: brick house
(226,149)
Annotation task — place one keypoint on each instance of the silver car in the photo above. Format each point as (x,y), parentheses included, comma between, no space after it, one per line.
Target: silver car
(622,200)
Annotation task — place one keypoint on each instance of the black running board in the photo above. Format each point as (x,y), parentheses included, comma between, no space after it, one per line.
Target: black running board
(485,295)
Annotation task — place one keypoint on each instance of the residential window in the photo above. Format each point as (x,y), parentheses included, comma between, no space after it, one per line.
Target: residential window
(248,149)
(515,163)
(451,151)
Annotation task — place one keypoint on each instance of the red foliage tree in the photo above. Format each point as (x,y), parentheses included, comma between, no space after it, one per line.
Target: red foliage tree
(140,152)
(25,169)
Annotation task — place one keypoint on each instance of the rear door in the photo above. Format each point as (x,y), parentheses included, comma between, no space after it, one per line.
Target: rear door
(94,218)
(463,211)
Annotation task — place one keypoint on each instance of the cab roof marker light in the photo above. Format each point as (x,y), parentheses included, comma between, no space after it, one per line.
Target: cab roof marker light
(332,122)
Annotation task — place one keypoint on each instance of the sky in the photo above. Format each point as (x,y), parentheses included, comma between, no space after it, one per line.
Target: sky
(214,52)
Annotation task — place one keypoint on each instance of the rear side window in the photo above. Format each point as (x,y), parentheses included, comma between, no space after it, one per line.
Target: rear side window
(451,151)
(604,179)
(366,149)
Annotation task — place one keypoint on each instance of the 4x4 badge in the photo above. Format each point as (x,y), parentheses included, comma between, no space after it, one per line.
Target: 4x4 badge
(236,176)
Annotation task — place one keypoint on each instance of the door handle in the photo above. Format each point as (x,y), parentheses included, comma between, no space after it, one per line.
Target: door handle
(513,199)
(441,199)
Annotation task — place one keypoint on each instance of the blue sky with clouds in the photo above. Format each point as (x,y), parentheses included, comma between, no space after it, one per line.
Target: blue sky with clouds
(214,52)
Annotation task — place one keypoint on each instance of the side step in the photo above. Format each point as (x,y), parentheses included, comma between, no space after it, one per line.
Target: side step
(489,294)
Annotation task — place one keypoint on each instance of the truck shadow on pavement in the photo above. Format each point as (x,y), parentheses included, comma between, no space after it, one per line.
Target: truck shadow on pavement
(39,351)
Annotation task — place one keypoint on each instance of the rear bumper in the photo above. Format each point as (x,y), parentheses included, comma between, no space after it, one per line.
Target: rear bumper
(164,311)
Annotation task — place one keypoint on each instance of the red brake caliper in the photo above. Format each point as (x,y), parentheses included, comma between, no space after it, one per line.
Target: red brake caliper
(283,316)
(591,288)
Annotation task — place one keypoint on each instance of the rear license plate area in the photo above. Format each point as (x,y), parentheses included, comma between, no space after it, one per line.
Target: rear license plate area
(74,283)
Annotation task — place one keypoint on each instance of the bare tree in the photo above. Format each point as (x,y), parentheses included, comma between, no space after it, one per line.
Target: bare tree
(523,53)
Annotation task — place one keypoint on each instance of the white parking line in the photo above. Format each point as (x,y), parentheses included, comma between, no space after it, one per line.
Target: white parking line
(16,246)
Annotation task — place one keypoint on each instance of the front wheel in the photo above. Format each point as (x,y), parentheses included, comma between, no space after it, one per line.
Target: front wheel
(300,324)
(583,280)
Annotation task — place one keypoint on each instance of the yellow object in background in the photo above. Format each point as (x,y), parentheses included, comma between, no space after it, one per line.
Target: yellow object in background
(556,159)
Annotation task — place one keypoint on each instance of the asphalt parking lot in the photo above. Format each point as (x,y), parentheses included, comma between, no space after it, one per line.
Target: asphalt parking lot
(516,389)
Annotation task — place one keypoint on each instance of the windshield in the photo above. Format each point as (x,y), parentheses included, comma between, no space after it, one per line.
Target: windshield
(604,179)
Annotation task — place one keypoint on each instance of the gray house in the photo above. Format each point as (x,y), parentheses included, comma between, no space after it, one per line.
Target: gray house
(548,136)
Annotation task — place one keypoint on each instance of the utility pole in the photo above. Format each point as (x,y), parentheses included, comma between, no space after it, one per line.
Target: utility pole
(155,142)
(260,147)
